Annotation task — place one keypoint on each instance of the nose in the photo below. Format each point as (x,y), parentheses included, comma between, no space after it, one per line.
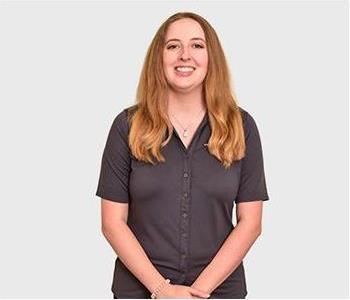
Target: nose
(185,55)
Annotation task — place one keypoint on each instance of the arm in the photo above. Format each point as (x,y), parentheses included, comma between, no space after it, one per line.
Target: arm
(114,185)
(234,248)
(125,244)
(248,212)
(131,253)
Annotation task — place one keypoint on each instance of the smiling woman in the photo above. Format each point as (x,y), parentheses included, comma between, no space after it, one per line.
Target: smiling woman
(173,167)
(185,37)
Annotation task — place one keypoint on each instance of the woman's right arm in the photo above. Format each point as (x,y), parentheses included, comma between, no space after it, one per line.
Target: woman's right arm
(125,244)
(131,253)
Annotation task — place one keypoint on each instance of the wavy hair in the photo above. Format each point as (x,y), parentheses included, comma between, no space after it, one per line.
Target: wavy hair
(150,127)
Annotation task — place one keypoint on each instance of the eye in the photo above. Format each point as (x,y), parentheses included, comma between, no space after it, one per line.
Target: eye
(200,46)
(171,46)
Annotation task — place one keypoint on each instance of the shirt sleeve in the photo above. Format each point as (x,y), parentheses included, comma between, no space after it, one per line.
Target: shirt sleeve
(113,183)
(252,184)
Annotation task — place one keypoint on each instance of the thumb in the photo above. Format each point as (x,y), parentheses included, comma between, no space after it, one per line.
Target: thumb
(199,293)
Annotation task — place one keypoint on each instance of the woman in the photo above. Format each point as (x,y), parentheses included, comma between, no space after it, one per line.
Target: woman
(173,166)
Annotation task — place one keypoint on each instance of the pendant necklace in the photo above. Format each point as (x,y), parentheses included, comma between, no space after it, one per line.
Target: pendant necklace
(185,130)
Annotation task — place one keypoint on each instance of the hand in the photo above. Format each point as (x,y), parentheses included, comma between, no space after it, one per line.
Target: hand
(198,287)
(181,291)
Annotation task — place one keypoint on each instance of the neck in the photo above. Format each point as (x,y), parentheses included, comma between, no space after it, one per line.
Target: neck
(186,104)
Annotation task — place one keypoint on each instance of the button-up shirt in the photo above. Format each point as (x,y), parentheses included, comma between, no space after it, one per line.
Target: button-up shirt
(180,211)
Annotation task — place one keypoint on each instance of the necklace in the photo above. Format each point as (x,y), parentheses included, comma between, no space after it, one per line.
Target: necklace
(185,129)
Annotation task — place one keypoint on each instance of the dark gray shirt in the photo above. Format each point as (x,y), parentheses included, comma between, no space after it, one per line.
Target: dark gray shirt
(180,211)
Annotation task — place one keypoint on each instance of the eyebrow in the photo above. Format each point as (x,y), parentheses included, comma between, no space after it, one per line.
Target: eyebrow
(195,38)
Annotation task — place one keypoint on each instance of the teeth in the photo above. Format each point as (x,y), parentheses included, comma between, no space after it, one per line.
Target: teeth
(184,69)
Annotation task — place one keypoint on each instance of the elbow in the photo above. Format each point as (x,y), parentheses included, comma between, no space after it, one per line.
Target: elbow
(255,229)
(109,233)
(259,231)
(104,230)
(108,227)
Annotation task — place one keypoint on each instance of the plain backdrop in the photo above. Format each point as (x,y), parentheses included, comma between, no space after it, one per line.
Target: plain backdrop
(68,68)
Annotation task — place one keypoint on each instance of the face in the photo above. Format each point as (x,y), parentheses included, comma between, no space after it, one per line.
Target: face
(185,45)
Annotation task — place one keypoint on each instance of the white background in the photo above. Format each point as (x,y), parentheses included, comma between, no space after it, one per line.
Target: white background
(68,68)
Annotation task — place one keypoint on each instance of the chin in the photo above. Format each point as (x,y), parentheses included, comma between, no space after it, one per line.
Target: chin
(184,88)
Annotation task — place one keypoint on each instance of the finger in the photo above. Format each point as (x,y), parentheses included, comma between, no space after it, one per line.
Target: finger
(195,297)
(199,297)
(199,293)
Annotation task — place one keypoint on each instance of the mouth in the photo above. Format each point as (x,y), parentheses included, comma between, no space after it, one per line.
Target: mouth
(184,70)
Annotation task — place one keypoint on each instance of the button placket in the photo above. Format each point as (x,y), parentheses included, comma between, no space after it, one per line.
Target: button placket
(185,200)
(184,215)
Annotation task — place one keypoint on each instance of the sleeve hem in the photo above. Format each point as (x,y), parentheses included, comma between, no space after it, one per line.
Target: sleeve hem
(264,198)
(107,196)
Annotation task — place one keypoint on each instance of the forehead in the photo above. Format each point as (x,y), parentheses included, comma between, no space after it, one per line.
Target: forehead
(184,29)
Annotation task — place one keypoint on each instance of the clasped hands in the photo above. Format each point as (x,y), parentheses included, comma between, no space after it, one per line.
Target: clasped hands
(181,291)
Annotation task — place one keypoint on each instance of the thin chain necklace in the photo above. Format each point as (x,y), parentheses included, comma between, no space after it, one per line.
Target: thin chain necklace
(185,129)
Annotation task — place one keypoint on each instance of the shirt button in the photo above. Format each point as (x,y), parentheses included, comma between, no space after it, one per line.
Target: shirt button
(184,234)
(185,194)
(183,255)
(184,215)
(185,174)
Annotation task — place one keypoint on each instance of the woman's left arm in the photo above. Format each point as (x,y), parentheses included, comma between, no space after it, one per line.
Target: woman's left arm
(235,247)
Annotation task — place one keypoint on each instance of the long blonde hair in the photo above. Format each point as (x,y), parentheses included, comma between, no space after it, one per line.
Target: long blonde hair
(149,122)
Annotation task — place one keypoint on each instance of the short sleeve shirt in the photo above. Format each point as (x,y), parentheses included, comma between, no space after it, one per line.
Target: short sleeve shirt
(180,210)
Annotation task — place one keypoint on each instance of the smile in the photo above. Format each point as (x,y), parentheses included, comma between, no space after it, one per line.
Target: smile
(184,71)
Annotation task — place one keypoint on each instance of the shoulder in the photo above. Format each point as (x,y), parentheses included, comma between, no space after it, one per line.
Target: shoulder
(243,113)
(122,120)
(248,120)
